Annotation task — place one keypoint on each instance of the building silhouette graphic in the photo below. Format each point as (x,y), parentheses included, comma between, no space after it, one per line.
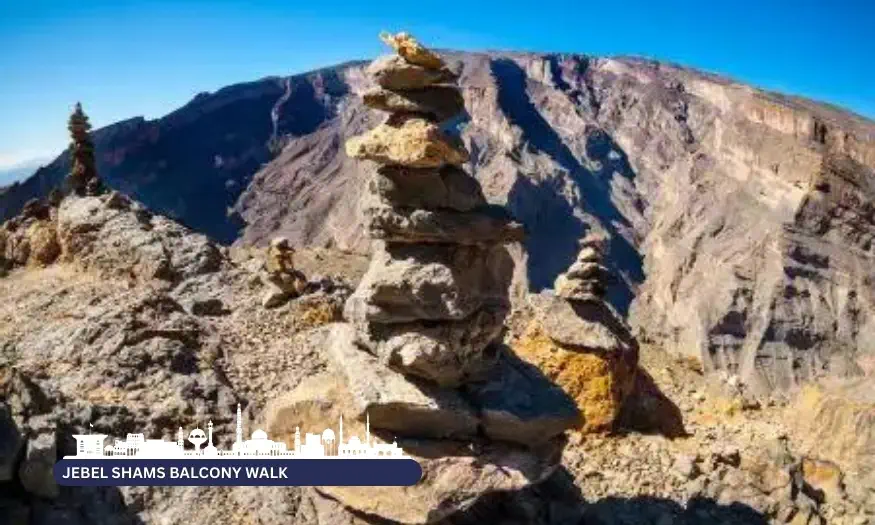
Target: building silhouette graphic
(324,445)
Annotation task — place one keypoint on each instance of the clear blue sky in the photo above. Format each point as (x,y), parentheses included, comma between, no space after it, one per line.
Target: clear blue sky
(124,58)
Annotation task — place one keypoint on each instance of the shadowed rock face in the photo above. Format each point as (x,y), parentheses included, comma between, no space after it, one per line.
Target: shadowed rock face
(740,222)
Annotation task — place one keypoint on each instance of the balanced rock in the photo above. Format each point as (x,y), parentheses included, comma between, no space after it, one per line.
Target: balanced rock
(409,282)
(411,50)
(394,402)
(519,404)
(395,73)
(438,103)
(410,141)
(447,353)
(431,189)
(483,226)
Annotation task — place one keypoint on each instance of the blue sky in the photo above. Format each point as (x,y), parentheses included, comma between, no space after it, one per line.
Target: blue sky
(124,58)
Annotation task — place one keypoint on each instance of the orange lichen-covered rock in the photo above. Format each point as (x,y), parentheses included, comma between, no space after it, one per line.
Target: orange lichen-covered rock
(598,382)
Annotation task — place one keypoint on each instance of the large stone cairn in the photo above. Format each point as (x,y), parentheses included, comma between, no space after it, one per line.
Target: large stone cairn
(580,342)
(436,292)
(418,354)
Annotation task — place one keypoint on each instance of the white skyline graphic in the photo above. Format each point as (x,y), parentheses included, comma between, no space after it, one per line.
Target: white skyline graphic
(312,446)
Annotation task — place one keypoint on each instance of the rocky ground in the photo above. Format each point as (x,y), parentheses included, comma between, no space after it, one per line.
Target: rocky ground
(739,462)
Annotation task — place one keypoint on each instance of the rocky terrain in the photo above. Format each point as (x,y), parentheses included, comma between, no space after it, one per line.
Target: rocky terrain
(141,324)
(740,222)
(614,291)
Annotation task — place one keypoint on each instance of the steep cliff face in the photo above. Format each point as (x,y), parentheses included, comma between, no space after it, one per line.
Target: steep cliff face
(740,221)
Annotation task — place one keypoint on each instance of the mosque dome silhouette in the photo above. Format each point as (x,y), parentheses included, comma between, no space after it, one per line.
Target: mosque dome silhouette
(197,434)
(328,435)
(259,434)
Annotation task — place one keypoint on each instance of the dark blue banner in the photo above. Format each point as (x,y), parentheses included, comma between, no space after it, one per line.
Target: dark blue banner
(245,472)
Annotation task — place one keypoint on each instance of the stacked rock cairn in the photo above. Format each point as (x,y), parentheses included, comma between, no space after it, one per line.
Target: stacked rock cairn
(419,354)
(283,280)
(586,279)
(580,342)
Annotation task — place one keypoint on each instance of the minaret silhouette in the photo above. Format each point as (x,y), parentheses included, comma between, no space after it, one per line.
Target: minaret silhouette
(239,425)
(297,440)
(210,431)
(179,439)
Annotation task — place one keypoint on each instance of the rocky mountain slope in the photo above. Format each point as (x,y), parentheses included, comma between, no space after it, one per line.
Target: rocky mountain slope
(141,324)
(740,221)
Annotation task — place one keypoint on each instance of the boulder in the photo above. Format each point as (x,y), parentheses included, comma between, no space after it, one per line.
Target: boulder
(446,352)
(455,476)
(825,477)
(410,141)
(598,382)
(438,103)
(395,73)
(407,282)
(594,326)
(430,189)
(35,472)
(483,226)
(411,50)
(43,243)
(836,419)
(394,402)
(519,404)
(122,238)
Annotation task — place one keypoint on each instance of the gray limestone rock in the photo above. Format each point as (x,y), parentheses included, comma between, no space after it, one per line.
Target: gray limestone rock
(394,402)
(394,73)
(35,472)
(593,326)
(483,226)
(430,189)
(407,282)
(445,352)
(437,102)
(129,241)
(455,476)
(518,404)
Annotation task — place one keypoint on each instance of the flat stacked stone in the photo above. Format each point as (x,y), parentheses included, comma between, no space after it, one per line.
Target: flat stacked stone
(418,354)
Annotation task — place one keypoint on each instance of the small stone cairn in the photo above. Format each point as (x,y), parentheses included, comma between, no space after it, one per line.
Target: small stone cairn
(284,281)
(418,353)
(580,342)
(587,279)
